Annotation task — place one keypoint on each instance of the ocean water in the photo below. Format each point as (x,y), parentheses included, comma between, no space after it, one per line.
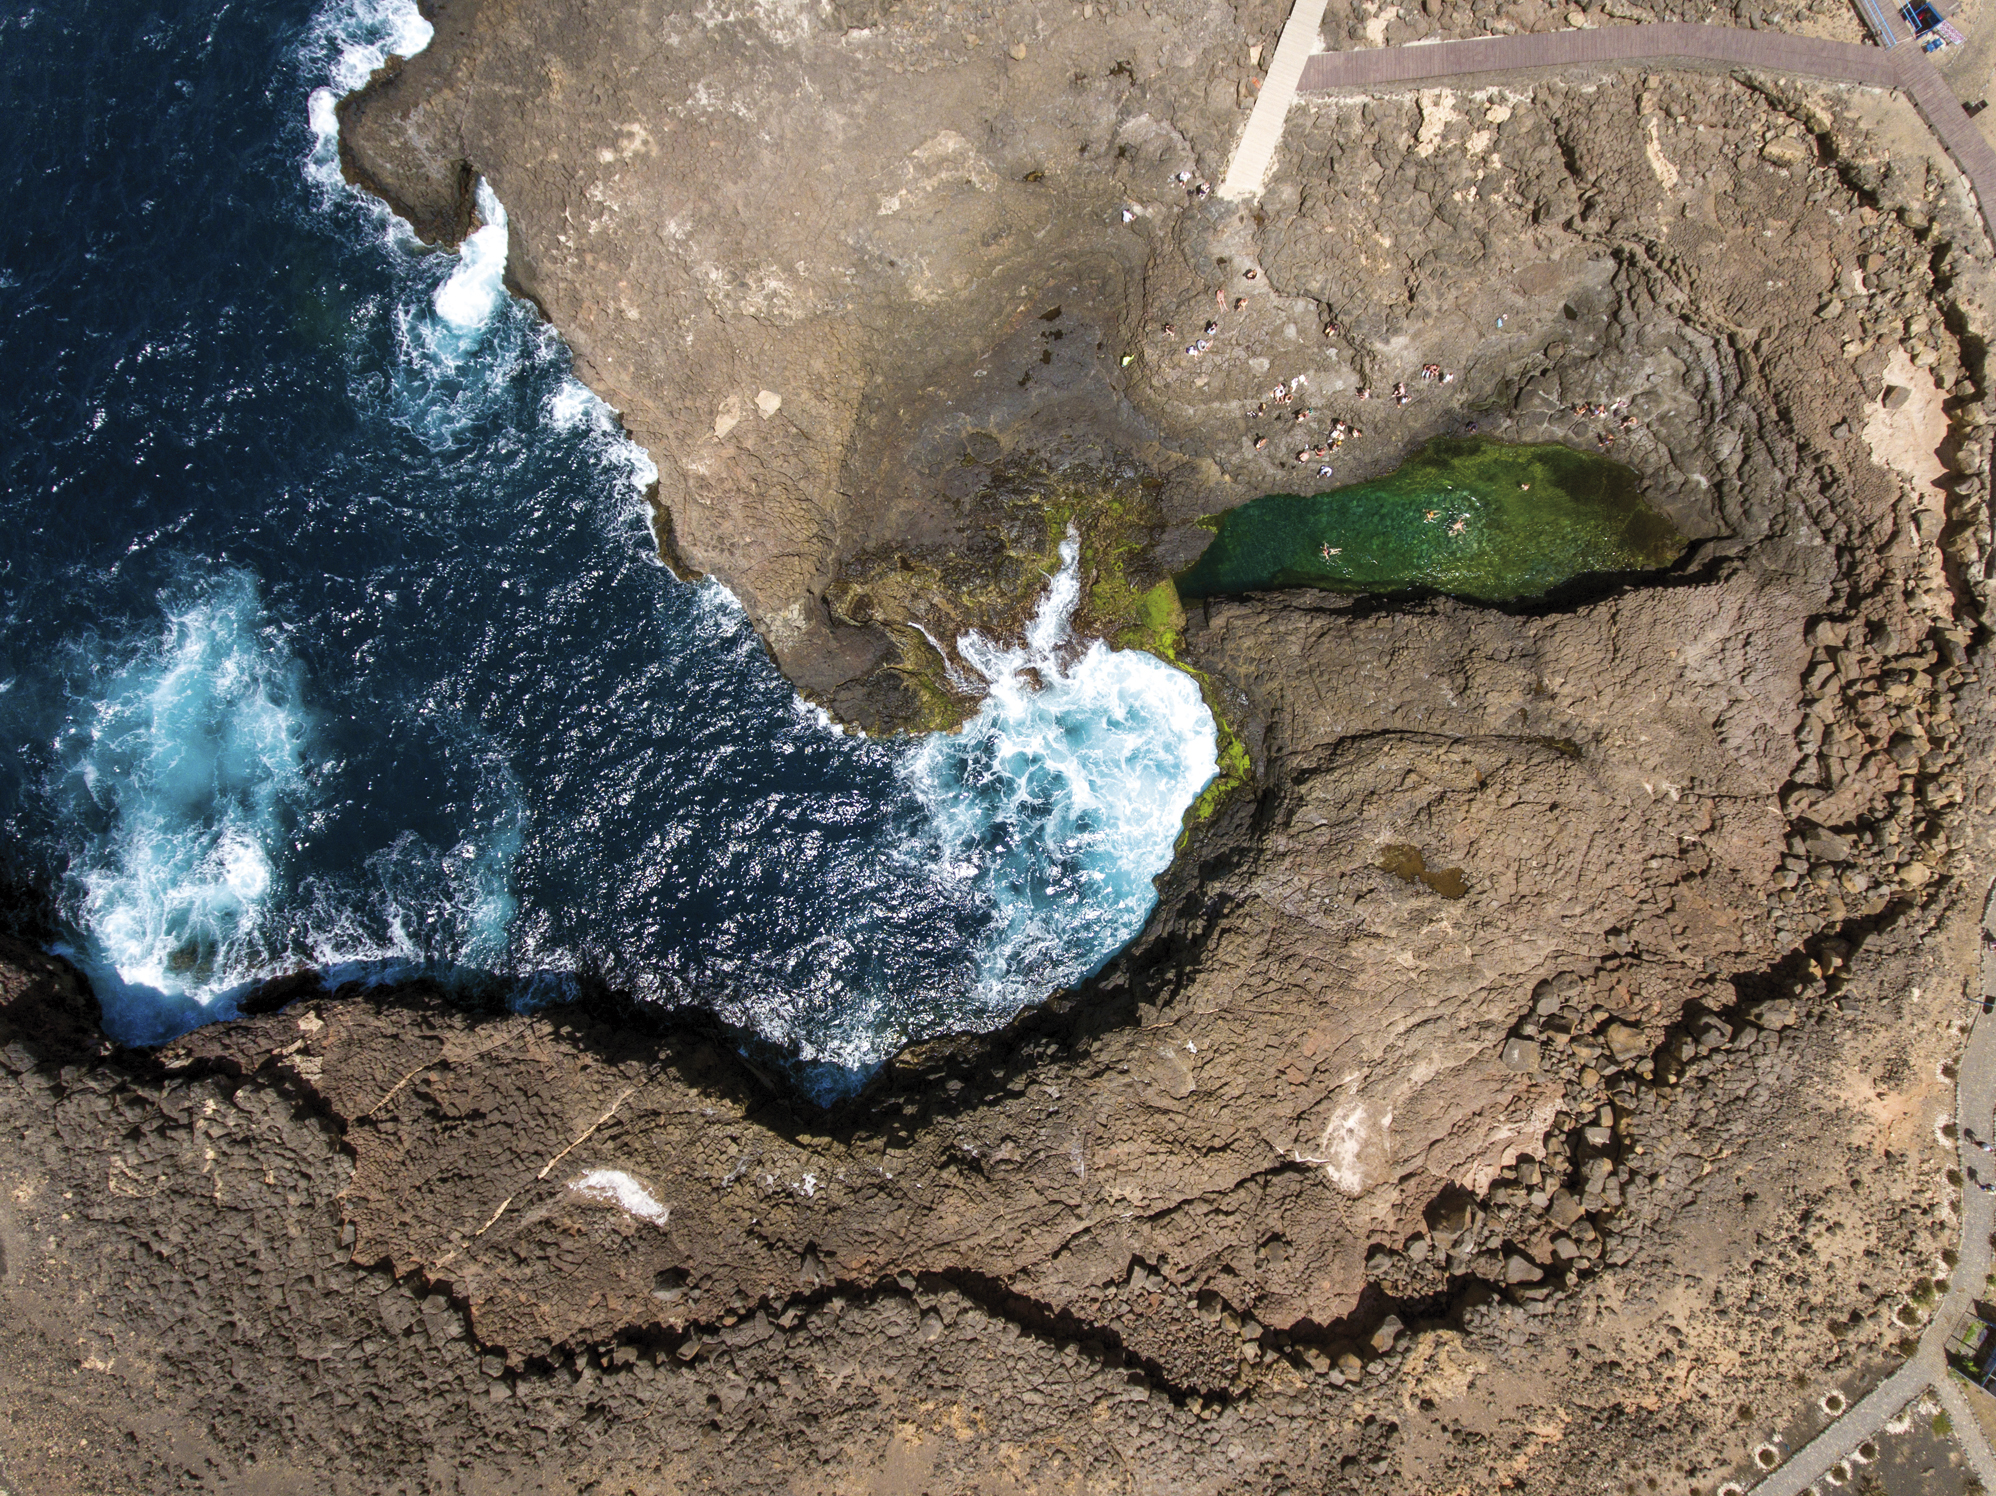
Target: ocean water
(1496,521)
(332,632)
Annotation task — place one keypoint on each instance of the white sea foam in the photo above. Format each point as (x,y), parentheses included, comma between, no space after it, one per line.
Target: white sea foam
(187,771)
(472,292)
(480,873)
(353,39)
(1047,818)
(575,407)
(185,763)
(457,355)
(1062,799)
(416,907)
(461,348)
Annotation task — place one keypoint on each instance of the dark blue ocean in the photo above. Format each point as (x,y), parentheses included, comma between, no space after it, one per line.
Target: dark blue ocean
(332,632)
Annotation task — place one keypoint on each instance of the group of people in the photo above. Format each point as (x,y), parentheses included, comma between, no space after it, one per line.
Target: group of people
(1974,1178)
(1339,433)
(1597,410)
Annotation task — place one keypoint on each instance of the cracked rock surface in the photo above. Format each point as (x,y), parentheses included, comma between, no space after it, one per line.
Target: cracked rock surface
(1537,1074)
(812,256)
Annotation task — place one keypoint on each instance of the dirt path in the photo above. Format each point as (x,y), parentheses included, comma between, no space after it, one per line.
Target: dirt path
(1975,1100)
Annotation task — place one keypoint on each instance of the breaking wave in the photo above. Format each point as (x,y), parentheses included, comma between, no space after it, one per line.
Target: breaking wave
(460,350)
(359,655)
(347,43)
(1062,800)
(184,768)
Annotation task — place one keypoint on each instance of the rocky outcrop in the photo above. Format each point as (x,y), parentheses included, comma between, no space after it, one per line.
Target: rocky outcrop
(1317,1048)
(1540,1042)
(893,298)
(860,279)
(370,1233)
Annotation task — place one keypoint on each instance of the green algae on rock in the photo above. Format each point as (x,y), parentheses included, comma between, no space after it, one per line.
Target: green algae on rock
(1476,518)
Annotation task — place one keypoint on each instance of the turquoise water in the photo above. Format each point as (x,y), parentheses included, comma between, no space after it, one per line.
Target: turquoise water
(1476,518)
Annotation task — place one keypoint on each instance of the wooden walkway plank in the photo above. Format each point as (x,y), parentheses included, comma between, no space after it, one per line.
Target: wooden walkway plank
(1256,153)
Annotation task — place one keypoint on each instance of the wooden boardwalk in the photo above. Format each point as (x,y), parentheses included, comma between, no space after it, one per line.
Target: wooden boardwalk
(1256,152)
(1903,68)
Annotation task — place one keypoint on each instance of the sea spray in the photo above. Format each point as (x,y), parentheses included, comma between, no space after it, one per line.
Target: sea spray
(460,348)
(183,769)
(1032,838)
(472,292)
(461,352)
(1062,799)
(574,407)
(347,43)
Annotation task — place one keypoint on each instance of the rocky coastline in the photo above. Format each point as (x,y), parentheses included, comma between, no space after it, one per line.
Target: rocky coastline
(1614,1156)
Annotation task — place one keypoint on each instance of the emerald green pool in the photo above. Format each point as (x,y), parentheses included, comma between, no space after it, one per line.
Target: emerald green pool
(1495,521)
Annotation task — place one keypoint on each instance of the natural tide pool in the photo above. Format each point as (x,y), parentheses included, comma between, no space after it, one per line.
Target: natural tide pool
(1469,516)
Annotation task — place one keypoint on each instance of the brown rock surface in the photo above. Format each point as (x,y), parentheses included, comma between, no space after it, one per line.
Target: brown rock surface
(1211,1175)
(1722,842)
(832,264)
(886,303)
(183,1303)
(1322,1060)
